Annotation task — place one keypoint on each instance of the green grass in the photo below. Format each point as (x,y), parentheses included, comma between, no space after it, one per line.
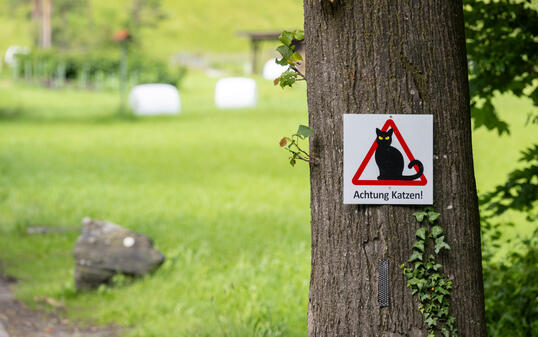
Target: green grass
(211,187)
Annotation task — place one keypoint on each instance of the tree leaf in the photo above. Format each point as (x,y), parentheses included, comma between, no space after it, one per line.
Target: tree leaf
(285,51)
(299,34)
(286,38)
(285,141)
(287,78)
(304,131)
(295,57)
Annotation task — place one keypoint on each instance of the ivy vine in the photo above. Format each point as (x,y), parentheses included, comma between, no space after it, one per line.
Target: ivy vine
(425,276)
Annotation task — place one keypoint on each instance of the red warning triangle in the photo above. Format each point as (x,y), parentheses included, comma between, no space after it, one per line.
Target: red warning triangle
(356,178)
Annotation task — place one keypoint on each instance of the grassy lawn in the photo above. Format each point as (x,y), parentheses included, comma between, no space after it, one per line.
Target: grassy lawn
(211,187)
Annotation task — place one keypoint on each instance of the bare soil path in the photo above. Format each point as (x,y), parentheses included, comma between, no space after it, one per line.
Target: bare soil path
(17,320)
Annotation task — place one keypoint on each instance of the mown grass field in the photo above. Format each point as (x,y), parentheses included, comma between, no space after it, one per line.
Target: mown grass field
(211,187)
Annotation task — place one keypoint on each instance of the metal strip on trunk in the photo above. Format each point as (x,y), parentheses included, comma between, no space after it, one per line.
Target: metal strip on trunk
(383,283)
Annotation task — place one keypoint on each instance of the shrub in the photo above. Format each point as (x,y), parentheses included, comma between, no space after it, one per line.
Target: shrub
(511,291)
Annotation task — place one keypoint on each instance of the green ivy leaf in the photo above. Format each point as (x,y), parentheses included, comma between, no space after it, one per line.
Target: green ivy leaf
(286,38)
(440,244)
(432,216)
(421,233)
(419,216)
(430,322)
(304,131)
(415,256)
(436,231)
(419,245)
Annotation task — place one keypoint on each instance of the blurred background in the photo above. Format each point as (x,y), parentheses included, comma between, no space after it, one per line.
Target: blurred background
(200,174)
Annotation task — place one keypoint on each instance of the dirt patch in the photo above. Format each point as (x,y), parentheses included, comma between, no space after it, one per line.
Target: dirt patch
(17,320)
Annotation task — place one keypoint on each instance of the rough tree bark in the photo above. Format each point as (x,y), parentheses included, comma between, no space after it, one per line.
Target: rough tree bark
(388,56)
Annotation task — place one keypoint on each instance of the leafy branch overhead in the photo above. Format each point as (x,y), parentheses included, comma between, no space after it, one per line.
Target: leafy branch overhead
(519,193)
(290,58)
(291,144)
(426,279)
(501,49)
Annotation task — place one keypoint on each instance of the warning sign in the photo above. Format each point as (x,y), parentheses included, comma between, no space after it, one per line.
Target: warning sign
(388,159)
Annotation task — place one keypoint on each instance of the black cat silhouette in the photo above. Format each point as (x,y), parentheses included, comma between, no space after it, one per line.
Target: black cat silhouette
(390,161)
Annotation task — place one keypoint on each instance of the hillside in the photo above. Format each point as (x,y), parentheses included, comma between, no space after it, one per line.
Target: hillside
(201,26)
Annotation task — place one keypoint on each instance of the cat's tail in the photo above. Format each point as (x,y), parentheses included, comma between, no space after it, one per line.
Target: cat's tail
(418,174)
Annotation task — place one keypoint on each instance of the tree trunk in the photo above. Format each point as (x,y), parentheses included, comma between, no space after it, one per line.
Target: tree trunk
(46,28)
(400,57)
(42,15)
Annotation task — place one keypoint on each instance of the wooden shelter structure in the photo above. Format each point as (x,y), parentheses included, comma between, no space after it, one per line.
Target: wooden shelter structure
(256,38)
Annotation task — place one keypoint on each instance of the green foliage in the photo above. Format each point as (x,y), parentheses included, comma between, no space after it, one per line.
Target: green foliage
(42,65)
(287,78)
(501,48)
(291,144)
(511,289)
(290,58)
(519,193)
(426,279)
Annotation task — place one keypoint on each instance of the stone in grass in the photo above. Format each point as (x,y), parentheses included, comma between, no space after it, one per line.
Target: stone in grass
(105,249)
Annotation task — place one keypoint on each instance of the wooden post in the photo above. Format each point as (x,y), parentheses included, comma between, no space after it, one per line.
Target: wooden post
(255,48)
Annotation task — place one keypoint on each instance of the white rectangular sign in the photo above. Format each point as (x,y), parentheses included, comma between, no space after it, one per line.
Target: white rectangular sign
(388,159)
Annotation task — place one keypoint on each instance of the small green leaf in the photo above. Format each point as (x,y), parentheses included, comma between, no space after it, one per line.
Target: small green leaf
(421,233)
(294,58)
(440,244)
(299,34)
(288,78)
(415,256)
(419,245)
(286,38)
(437,231)
(419,216)
(282,62)
(285,51)
(432,216)
(304,131)
(430,322)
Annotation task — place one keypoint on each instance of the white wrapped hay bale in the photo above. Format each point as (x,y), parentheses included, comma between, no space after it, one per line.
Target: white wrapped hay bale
(155,99)
(272,70)
(236,92)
